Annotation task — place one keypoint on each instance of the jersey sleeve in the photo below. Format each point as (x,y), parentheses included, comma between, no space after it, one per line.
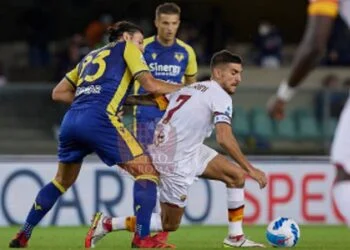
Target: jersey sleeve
(323,7)
(192,67)
(73,76)
(222,109)
(134,59)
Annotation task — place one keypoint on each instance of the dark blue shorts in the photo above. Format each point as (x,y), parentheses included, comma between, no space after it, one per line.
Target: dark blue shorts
(85,131)
(144,130)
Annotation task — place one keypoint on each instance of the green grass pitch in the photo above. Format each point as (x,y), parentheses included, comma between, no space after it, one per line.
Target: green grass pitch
(191,237)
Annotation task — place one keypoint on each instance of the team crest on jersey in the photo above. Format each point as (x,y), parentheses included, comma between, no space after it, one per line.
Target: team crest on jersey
(179,56)
(154,56)
(183,197)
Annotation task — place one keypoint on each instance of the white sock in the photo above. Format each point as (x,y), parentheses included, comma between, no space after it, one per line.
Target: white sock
(157,209)
(235,206)
(128,223)
(119,223)
(156,223)
(341,194)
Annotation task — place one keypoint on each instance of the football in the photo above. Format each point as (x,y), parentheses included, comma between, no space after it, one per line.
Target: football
(283,232)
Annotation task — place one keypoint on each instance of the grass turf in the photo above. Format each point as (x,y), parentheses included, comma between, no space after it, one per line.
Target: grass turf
(191,237)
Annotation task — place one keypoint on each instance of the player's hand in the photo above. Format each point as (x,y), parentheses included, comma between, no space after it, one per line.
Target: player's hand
(259,176)
(276,108)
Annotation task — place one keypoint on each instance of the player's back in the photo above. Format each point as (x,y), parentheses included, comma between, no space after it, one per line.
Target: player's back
(98,78)
(189,117)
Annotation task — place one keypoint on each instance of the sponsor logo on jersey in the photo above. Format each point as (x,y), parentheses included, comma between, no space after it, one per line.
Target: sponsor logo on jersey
(164,69)
(93,89)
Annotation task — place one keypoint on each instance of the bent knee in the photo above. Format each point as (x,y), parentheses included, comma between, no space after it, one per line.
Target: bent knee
(236,181)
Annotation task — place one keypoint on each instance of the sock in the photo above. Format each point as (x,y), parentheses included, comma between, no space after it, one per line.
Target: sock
(128,223)
(44,201)
(145,196)
(341,191)
(235,206)
(157,209)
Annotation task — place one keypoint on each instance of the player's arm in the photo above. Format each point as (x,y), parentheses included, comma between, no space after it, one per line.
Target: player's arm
(192,67)
(319,25)
(64,91)
(155,86)
(148,100)
(228,142)
(140,71)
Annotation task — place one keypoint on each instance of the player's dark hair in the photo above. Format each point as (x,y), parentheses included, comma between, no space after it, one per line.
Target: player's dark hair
(116,30)
(223,57)
(168,8)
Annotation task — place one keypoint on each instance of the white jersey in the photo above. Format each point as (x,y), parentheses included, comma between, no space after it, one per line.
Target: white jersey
(190,118)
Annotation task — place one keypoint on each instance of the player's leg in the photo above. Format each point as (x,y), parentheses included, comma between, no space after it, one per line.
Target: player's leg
(340,156)
(119,146)
(45,199)
(220,168)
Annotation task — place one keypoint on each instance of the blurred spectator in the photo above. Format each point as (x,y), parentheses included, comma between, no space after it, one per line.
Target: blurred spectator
(39,27)
(329,99)
(3,79)
(338,51)
(76,50)
(95,32)
(269,45)
(191,34)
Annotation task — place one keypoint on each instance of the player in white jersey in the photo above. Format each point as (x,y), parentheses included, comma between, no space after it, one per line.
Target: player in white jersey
(180,155)
(321,16)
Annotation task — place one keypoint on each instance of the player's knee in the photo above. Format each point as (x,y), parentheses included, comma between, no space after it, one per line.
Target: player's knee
(238,180)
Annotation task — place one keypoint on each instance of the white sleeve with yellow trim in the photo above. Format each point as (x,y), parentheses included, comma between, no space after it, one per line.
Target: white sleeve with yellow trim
(323,8)
(192,67)
(73,76)
(134,59)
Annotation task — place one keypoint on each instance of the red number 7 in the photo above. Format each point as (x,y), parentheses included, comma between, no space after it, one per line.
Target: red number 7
(181,99)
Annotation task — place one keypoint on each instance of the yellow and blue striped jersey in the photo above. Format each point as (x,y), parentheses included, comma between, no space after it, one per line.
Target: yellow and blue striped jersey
(169,63)
(103,78)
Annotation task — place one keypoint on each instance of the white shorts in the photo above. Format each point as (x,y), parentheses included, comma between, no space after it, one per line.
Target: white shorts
(177,177)
(340,150)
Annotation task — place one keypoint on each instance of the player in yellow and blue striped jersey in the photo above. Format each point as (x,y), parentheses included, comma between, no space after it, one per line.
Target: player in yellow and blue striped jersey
(169,59)
(96,89)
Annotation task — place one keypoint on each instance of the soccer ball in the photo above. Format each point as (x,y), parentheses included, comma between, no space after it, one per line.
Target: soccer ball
(283,232)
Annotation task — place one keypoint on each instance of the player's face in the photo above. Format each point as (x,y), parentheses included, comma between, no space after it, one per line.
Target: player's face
(231,76)
(167,26)
(137,39)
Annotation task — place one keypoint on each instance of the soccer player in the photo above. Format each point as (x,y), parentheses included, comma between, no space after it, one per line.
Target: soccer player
(169,59)
(179,139)
(321,16)
(96,89)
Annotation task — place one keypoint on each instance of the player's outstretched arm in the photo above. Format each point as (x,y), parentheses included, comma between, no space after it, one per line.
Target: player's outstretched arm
(146,100)
(63,92)
(308,55)
(228,142)
(155,86)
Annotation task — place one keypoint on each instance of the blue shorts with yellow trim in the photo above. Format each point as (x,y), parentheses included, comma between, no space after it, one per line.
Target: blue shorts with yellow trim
(144,130)
(84,131)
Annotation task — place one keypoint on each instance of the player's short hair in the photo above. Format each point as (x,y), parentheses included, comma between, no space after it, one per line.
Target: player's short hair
(168,8)
(223,57)
(116,30)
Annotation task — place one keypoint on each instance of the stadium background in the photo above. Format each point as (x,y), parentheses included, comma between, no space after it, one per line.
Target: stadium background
(41,40)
